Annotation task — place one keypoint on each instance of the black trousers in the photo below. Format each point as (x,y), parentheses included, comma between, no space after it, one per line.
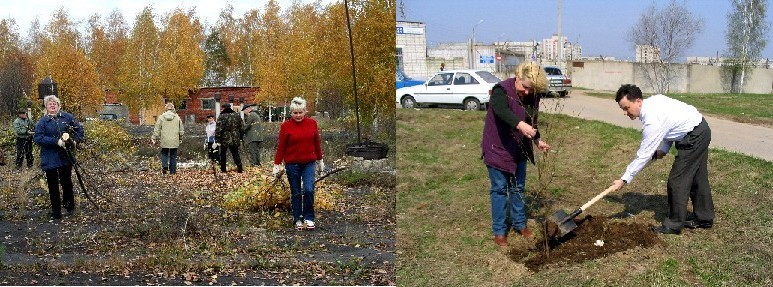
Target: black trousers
(689,179)
(23,149)
(213,154)
(54,177)
(234,152)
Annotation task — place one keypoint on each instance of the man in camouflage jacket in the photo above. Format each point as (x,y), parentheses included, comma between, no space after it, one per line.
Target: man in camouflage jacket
(23,128)
(228,134)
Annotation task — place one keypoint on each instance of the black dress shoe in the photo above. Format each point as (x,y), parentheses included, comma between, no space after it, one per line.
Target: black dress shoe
(665,230)
(692,224)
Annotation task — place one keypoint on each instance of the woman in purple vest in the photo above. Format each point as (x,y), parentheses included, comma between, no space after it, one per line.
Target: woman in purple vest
(508,135)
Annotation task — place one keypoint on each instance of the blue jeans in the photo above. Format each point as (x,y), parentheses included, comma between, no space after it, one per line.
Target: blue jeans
(169,159)
(301,177)
(504,185)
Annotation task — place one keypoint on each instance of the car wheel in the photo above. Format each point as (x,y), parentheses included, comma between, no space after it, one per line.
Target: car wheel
(408,102)
(562,93)
(471,104)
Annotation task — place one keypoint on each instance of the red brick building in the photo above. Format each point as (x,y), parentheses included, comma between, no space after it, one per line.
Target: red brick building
(207,101)
(203,102)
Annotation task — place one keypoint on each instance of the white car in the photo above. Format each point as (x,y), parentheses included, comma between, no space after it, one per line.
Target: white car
(469,88)
(558,82)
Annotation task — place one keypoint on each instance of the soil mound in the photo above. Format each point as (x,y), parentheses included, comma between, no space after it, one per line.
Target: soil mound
(582,244)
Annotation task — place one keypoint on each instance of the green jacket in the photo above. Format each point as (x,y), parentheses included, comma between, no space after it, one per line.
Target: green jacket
(169,128)
(22,127)
(252,128)
(229,128)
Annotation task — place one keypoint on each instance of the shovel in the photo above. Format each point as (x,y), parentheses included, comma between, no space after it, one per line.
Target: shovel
(566,223)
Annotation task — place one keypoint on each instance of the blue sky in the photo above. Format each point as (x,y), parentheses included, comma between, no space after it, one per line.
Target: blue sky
(600,26)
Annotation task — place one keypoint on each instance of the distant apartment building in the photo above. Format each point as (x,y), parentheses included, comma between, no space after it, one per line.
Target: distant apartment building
(416,59)
(551,47)
(647,54)
(411,48)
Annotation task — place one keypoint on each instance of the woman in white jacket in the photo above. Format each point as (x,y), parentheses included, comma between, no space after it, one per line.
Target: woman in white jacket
(169,129)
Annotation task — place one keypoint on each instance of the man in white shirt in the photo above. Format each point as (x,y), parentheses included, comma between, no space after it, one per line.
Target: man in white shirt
(666,121)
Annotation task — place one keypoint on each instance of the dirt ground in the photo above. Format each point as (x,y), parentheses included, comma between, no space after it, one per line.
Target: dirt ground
(130,244)
(154,229)
(582,243)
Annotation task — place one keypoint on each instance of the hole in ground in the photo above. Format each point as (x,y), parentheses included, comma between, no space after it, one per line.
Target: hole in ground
(578,246)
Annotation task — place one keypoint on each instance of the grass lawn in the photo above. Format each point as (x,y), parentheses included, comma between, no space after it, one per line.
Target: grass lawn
(743,108)
(444,219)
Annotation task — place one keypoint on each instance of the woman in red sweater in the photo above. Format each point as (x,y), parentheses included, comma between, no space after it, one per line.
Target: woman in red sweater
(299,146)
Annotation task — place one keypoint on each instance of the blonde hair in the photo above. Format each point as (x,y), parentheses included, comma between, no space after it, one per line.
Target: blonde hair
(298,104)
(531,71)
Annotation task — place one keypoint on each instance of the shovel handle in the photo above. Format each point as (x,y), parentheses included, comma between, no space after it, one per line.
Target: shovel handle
(602,194)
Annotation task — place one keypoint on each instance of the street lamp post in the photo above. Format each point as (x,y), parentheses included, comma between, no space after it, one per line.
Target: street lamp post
(472,45)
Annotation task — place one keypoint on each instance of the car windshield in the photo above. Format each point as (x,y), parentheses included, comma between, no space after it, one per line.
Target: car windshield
(488,77)
(553,71)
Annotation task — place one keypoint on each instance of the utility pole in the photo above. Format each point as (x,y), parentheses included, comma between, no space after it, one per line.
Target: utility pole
(560,45)
(472,46)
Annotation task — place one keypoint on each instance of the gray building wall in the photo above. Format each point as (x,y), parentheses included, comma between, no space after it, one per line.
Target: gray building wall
(704,79)
(453,55)
(601,75)
(457,55)
(484,57)
(411,40)
(609,75)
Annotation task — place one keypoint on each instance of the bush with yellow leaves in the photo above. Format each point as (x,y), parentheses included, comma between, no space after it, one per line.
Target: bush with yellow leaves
(264,193)
(107,143)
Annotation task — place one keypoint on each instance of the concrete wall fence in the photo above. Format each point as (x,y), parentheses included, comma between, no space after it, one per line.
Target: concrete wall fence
(690,78)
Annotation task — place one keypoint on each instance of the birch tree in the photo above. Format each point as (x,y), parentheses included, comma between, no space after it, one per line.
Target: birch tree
(230,33)
(246,48)
(747,35)
(670,31)
(63,58)
(273,55)
(107,43)
(138,65)
(217,63)
(180,57)
(373,36)
(303,69)
(15,69)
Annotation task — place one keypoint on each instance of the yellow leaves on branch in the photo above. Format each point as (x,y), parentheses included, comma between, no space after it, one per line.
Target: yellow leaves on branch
(63,57)
(181,60)
(261,192)
(107,136)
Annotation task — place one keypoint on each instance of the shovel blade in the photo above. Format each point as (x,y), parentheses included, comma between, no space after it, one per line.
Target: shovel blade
(564,224)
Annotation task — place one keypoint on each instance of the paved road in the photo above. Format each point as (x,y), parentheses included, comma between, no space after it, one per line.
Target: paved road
(748,139)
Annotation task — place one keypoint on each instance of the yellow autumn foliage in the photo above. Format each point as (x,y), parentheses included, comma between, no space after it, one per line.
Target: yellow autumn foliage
(263,192)
(109,136)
